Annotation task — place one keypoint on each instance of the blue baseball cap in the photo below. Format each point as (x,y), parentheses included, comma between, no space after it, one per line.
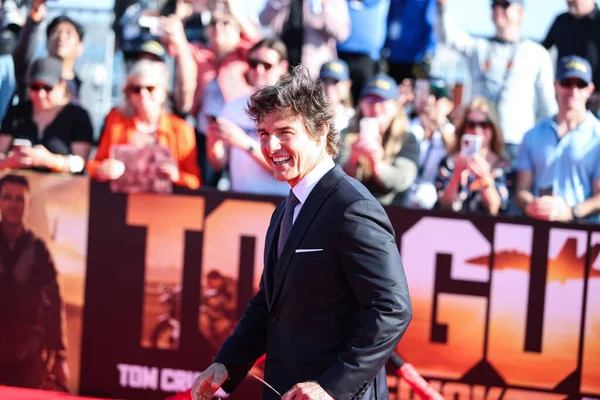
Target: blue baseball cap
(574,67)
(336,69)
(381,85)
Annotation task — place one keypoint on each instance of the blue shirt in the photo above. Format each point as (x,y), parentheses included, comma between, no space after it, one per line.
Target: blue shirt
(8,83)
(368,19)
(411,38)
(567,165)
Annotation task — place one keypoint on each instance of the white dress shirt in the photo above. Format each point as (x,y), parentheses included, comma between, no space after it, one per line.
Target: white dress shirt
(307,184)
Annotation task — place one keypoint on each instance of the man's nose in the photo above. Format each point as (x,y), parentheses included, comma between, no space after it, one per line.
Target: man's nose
(273,144)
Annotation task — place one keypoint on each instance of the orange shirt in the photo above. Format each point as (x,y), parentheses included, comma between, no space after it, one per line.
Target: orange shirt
(173,133)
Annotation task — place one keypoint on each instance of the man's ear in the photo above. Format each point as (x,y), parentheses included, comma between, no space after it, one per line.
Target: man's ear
(324,130)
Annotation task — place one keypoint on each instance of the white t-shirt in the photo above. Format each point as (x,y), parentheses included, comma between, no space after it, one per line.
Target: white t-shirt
(246,174)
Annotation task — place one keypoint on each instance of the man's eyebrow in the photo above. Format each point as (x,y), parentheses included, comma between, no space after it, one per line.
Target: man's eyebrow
(281,128)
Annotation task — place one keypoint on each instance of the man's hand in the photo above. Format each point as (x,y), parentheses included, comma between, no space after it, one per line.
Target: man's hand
(38,10)
(175,33)
(231,134)
(60,370)
(307,391)
(550,208)
(208,382)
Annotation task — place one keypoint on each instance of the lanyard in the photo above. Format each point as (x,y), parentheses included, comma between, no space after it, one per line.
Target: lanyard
(487,65)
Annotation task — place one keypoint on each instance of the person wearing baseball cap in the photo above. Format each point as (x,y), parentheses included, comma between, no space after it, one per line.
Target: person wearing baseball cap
(558,166)
(335,76)
(381,152)
(53,133)
(574,67)
(144,47)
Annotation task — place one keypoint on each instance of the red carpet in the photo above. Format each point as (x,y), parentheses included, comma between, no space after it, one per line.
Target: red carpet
(12,393)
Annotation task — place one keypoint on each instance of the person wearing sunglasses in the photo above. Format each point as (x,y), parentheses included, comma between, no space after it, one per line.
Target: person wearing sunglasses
(577,32)
(473,177)
(222,66)
(558,176)
(379,150)
(47,132)
(510,71)
(143,120)
(232,138)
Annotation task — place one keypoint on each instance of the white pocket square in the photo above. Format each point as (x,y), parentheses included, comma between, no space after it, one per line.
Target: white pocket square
(308,250)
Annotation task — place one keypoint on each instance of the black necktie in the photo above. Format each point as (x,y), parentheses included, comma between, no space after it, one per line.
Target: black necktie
(288,220)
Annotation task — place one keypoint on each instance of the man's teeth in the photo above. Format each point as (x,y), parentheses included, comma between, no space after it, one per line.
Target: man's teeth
(280,160)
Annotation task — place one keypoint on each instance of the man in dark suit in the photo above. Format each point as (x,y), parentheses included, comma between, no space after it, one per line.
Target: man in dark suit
(333,300)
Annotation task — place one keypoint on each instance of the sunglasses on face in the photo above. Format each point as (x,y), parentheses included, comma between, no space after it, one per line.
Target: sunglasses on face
(215,22)
(36,87)
(571,83)
(254,63)
(137,89)
(482,124)
(503,4)
(330,81)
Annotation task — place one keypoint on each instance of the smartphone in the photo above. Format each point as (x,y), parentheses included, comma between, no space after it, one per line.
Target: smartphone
(151,22)
(545,190)
(369,130)
(422,91)
(470,144)
(20,143)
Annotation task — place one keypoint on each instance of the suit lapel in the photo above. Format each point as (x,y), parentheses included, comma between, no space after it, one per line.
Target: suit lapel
(270,246)
(308,212)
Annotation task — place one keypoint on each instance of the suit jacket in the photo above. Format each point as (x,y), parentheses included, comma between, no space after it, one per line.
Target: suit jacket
(335,315)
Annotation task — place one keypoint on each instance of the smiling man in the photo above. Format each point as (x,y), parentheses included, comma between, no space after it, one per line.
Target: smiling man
(333,300)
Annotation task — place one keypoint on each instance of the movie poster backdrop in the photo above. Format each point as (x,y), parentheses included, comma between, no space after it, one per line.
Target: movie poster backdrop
(58,216)
(502,308)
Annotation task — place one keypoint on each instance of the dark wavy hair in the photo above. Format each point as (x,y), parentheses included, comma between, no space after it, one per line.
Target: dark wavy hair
(296,94)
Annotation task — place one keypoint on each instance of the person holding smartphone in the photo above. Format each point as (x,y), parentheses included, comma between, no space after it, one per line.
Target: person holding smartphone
(232,139)
(473,178)
(382,153)
(47,132)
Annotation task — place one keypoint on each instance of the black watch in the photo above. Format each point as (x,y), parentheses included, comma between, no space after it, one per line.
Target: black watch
(576,213)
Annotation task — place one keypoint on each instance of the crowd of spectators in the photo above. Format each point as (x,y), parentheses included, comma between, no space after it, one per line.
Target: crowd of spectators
(525,142)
